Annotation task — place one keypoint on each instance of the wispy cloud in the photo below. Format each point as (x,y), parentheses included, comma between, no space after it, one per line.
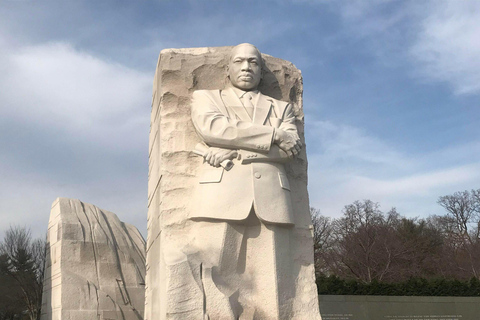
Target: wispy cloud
(447,47)
(362,166)
(73,125)
(256,28)
(344,143)
(440,38)
(26,197)
(343,153)
(415,185)
(54,85)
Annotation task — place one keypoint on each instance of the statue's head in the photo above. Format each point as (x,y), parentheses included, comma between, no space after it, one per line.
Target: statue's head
(245,67)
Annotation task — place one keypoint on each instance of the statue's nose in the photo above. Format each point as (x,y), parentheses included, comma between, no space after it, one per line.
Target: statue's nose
(245,66)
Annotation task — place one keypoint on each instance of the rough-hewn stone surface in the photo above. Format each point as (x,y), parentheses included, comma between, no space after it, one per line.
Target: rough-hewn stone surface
(173,173)
(95,265)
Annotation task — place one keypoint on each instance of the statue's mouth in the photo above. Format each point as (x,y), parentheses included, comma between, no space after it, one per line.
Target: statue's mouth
(246,77)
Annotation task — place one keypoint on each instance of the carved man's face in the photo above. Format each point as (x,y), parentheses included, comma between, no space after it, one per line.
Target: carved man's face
(245,67)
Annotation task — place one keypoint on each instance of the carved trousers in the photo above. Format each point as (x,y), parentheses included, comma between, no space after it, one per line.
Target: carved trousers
(246,269)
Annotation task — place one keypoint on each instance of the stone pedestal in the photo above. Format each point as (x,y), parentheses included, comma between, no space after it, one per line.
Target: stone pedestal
(95,265)
(178,275)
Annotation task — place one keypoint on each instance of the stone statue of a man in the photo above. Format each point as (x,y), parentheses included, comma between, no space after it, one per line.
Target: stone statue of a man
(244,214)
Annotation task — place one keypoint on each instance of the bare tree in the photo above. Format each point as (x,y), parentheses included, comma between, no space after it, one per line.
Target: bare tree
(359,241)
(421,247)
(322,240)
(23,261)
(463,208)
(366,244)
(462,225)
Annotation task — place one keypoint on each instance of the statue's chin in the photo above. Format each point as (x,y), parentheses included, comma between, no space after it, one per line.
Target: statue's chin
(245,85)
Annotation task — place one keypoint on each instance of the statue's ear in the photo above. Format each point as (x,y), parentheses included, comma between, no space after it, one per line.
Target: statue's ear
(227,76)
(227,69)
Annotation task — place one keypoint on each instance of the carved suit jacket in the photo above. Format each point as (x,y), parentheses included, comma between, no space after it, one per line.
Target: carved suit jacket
(258,176)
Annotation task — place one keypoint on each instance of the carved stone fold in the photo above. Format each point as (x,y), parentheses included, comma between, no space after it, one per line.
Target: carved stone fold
(95,265)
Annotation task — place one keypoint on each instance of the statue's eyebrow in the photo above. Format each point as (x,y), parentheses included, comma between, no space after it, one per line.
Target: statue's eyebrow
(245,58)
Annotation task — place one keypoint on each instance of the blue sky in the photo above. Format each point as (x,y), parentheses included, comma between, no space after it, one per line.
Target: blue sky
(391,96)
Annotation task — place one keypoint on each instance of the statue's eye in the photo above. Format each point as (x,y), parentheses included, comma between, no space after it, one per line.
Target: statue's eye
(237,61)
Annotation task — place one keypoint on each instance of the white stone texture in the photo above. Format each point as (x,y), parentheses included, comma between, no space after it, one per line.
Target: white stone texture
(95,265)
(183,255)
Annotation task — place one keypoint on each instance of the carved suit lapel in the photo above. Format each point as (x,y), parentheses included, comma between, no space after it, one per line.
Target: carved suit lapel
(262,109)
(233,103)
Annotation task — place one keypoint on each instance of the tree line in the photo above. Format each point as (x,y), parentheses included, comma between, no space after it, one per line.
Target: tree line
(365,251)
(366,245)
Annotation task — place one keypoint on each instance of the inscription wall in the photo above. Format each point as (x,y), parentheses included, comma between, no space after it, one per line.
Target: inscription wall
(339,307)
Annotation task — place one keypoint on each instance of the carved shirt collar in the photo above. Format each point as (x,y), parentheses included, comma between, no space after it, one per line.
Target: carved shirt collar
(240,92)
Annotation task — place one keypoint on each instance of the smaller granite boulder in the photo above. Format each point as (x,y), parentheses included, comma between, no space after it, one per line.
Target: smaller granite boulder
(95,265)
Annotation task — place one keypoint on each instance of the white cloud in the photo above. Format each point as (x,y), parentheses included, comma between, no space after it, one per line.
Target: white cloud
(447,47)
(377,27)
(441,37)
(367,15)
(353,165)
(26,198)
(346,143)
(415,185)
(346,153)
(54,85)
(438,38)
(413,195)
(234,29)
(77,127)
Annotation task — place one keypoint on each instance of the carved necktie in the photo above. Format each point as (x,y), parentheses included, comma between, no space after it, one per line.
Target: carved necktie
(247,103)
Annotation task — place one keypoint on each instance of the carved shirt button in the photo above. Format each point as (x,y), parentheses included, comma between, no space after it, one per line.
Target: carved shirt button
(257,175)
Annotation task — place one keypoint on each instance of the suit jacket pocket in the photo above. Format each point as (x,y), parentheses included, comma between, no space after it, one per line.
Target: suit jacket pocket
(211,175)
(283,181)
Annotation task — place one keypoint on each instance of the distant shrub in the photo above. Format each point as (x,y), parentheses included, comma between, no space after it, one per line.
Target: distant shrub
(333,285)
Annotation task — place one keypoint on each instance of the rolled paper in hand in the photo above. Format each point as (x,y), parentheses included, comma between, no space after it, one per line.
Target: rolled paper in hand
(202,150)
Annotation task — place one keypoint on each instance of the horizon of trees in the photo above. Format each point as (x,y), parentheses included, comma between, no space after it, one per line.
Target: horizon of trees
(367,245)
(365,251)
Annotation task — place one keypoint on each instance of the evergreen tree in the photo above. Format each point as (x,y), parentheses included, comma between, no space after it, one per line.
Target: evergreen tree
(21,273)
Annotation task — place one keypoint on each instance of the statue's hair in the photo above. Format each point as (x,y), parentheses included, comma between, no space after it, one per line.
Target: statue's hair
(247,44)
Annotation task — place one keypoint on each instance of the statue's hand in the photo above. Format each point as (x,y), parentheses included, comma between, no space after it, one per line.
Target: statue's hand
(215,156)
(288,142)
